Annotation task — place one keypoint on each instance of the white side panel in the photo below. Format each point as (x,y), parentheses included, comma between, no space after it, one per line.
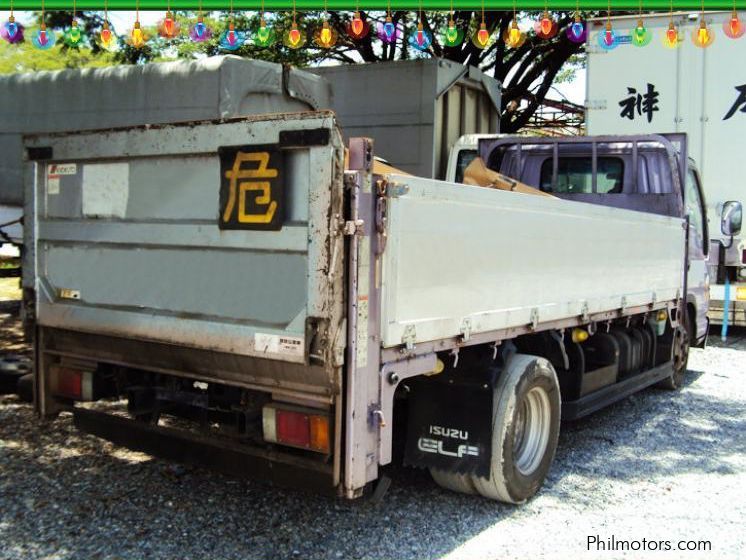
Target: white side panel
(461,256)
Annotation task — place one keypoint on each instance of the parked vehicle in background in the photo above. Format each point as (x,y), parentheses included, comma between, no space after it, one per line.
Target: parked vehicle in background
(700,92)
(339,314)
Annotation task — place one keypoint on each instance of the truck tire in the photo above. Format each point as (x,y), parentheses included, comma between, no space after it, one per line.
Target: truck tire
(525,429)
(454,482)
(680,359)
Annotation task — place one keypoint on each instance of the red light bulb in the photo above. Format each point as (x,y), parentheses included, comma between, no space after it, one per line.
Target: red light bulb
(357,24)
(546,24)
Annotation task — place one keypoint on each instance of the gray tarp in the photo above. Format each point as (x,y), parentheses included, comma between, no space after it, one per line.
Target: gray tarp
(212,88)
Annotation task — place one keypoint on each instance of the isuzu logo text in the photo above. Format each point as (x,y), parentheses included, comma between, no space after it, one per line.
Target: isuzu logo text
(453,433)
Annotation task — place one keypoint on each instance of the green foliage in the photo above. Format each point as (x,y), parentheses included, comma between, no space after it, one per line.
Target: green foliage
(25,58)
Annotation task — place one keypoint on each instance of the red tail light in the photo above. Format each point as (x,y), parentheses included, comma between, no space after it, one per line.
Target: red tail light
(71,383)
(296,427)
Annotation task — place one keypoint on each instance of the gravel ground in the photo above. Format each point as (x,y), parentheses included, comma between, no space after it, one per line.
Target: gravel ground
(659,466)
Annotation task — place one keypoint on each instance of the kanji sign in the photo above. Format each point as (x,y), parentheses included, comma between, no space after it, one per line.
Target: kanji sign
(639,104)
(251,188)
(740,103)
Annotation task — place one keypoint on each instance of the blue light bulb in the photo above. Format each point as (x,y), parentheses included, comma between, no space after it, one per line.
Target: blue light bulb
(577,29)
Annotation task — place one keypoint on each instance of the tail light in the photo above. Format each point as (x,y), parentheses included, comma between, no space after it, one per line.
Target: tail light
(71,383)
(297,427)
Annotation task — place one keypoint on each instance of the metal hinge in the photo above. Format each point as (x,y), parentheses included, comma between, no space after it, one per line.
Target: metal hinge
(465,330)
(352,227)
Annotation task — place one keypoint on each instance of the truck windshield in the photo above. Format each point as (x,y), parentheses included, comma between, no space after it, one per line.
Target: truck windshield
(575,175)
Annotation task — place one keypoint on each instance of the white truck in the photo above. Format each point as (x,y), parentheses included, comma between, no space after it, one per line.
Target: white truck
(700,92)
(239,293)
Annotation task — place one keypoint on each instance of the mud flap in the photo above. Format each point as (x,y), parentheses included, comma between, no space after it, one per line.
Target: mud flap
(450,426)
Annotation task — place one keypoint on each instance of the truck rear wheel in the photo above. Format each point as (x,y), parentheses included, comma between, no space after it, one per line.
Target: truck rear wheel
(455,482)
(525,429)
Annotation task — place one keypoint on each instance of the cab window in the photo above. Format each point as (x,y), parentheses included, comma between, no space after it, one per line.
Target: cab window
(575,175)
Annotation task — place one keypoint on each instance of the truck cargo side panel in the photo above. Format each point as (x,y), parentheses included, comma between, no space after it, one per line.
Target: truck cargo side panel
(528,260)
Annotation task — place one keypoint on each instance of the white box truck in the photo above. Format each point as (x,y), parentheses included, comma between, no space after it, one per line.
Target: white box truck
(701,92)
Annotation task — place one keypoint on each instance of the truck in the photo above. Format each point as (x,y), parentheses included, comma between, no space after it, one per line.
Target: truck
(249,295)
(697,91)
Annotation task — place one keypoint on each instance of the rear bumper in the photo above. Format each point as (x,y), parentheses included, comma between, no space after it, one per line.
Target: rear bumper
(232,459)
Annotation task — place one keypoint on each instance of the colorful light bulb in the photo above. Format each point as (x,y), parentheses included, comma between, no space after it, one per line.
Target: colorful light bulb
(387,32)
(106,39)
(11,31)
(231,39)
(137,37)
(357,28)
(73,37)
(733,27)
(607,39)
(640,35)
(452,36)
(671,37)
(388,28)
(577,31)
(44,38)
(420,39)
(168,27)
(326,37)
(293,37)
(481,38)
(702,37)
(264,36)
(199,32)
(546,27)
(514,37)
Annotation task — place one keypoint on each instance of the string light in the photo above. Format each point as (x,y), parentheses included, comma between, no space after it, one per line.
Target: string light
(452,35)
(671,36)
(73,36)
(702,37)
(200,32)
(231,39)
(481,38)
(44,38)
(607,39)
(387,32)
(293,38)
(137,37)
(357,29)
(326,37)
(513,36)
(421,39)
(641,36)
(733,27)
(546,27)
(106,39)
(168,27)
(12,31)
(577,32)
(264,36)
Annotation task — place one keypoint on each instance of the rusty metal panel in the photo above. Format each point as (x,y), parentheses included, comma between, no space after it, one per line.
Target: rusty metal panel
(125,242)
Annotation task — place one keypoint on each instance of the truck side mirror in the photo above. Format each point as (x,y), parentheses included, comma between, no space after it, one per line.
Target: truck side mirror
(731,218)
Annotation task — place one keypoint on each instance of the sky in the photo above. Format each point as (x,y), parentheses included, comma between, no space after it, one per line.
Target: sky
(122,21)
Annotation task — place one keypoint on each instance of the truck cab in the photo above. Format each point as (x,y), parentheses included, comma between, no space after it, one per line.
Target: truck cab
(618,171)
